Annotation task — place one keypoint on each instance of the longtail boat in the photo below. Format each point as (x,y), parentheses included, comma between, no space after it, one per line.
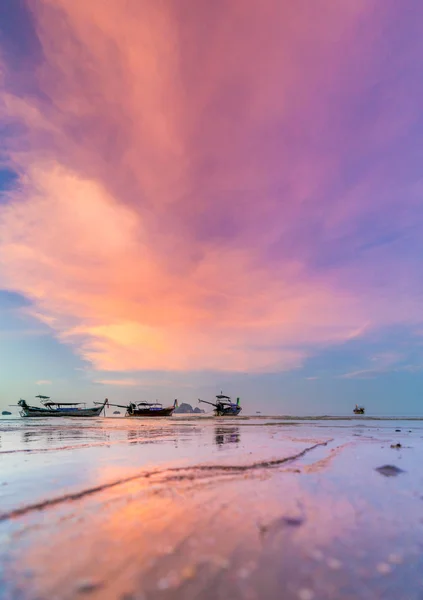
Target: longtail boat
(147,409)
(359,410)
(59,409)
(223,407)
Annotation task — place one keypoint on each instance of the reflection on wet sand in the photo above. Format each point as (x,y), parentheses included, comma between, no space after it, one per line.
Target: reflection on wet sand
(226,435)
(50,437)
(177,433)
(133,436)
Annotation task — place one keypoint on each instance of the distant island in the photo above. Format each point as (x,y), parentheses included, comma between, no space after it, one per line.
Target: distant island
(185,408)
(6,412)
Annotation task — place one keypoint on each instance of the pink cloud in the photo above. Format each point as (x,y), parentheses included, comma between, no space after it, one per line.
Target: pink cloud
(177,183)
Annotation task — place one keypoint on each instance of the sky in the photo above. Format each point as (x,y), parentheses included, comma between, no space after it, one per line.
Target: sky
(197,196)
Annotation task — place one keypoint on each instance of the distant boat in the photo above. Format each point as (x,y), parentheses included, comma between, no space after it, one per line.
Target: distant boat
(59,409)
(359,410)
(223,407)
(147,409)
(6,412)
(116,412)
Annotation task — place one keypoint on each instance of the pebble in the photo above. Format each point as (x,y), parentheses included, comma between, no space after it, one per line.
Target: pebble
(395,559)
(188,572)
(383,568)
(293,521)
(334,563)
(243,573)
(163,584)
(389,470)
(86,586)
(305,594)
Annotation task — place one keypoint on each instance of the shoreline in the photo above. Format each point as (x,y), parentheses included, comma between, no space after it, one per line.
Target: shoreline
(245,417)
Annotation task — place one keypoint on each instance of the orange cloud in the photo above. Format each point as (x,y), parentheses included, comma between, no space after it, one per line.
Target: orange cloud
(95,279)
(101,289)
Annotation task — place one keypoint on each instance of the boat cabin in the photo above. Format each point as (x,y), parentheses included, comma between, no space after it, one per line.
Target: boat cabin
(45,400)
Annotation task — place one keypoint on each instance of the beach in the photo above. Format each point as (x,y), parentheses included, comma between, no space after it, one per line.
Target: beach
(197,507)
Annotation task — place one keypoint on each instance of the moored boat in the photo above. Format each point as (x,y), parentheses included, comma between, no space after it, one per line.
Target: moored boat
(223,407)
(147,409)
(59,409)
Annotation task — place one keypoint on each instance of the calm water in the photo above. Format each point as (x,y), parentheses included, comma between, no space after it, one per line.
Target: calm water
(209,508)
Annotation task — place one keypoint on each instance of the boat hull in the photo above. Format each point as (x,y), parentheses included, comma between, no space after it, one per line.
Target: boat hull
(145,412)
(228,411)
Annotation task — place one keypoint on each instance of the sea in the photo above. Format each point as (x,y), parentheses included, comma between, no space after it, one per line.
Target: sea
(202,507)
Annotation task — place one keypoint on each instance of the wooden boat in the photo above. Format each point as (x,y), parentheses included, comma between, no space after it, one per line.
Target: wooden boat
(223,407)
(59,409)
(359,410)
(147,409)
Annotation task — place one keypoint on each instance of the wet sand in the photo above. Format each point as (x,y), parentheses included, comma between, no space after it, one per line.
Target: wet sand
(211,508)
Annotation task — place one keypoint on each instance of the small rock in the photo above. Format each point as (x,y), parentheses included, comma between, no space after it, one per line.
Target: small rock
(163,584)
(86,586)
(395,559)
(243,573)
(316,554)
(172,580)
(188,572)
(293,521)
(277,524)
(334,563)
(389,470)
(383,568)
(305,594)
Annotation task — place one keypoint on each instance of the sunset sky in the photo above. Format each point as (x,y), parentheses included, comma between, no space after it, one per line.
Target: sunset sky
(199,195)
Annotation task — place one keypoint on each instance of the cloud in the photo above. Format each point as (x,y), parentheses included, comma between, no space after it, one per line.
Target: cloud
(104,290)
(122,382)
(146,383)
(363,374)
(187,198)
(385,362)
(43,382)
